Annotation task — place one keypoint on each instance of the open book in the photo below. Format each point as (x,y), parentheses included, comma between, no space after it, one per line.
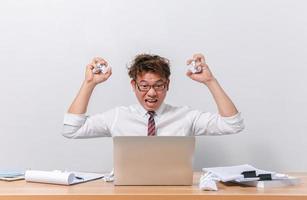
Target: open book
(59,177)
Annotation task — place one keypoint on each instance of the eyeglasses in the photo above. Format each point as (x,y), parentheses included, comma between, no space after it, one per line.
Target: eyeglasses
(146,87)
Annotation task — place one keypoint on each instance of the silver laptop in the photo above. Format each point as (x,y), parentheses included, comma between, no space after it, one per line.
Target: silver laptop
(158,160)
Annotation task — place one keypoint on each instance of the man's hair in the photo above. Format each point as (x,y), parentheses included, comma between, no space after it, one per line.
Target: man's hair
(144,63)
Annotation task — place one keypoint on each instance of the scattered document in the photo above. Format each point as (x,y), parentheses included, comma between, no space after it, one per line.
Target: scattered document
(60,177)
(231,173)
(272,183)
(245,175)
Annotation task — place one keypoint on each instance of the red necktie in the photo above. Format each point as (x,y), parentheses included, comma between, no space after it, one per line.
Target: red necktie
(151,124)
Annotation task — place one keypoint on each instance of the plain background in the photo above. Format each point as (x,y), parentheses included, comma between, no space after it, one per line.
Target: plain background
(256,49)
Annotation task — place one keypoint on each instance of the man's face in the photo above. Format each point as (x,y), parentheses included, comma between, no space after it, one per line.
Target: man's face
(150,90)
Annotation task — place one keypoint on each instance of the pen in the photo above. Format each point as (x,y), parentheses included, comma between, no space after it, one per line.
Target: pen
(78,177)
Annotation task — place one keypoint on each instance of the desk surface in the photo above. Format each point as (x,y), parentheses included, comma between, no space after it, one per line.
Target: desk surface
(101,190)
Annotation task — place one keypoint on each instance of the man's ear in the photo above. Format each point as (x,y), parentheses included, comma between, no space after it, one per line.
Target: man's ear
(167,84)
(132,82)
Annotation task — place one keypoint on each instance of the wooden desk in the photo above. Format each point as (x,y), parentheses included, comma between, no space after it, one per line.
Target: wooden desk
(100,190)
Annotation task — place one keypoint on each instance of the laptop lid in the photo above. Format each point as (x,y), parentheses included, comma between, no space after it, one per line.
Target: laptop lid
(158,160)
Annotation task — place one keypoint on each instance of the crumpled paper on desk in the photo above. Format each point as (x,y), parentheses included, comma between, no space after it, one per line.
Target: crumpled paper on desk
(109,177)
(208,182)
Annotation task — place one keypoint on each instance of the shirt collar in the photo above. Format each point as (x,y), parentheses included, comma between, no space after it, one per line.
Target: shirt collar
(143,112)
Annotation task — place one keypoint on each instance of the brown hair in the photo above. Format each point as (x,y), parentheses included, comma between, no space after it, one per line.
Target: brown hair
(143,63)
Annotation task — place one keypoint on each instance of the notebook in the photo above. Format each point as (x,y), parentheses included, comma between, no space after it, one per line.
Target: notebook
(9,175)
(60,177)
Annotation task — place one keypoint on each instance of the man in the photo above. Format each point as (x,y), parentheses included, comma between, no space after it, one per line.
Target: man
(150,81)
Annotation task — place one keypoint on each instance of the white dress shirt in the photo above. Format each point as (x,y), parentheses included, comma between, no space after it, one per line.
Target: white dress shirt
(132,121)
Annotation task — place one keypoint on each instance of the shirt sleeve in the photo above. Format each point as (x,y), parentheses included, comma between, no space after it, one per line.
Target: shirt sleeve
(206,123)
(82,126)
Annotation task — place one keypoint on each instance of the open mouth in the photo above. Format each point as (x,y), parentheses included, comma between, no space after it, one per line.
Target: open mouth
(151,100)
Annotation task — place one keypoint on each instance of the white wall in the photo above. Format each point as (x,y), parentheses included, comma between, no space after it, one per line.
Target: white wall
(257,50)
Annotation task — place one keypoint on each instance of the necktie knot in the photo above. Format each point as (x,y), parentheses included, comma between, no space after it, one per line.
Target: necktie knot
(151,113)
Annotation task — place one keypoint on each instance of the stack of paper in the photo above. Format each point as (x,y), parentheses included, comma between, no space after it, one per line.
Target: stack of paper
(236,174)
(290,180)
(232,173)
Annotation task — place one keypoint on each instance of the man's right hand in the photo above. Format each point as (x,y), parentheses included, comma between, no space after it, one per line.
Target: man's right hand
(94,78)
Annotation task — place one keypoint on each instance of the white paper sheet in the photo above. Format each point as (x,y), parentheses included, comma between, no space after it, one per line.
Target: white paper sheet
(231,173)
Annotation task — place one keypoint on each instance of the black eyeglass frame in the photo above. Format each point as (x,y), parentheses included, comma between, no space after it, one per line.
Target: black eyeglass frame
(155,86)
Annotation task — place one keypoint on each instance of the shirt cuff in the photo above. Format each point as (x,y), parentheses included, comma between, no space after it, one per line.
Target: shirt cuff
(236,122)
(235,118)
(74,119)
